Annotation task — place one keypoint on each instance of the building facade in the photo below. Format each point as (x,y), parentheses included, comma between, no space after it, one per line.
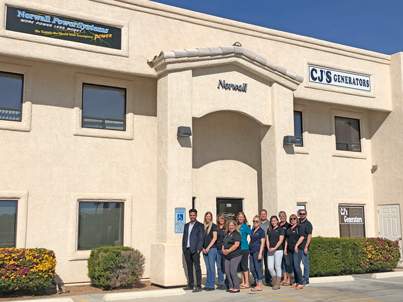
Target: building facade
(118,116)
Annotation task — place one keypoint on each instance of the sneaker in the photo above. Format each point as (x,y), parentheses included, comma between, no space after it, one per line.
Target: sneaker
(208,289)
(197,290)
(221,287)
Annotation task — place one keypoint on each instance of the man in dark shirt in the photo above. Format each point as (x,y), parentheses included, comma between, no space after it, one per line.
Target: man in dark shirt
(265,225)
(305,231)
(192,245)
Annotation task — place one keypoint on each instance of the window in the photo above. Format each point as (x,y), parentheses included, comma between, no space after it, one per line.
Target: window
(100,223)
(11,88)
(104,107)
(348,136)
(298,129)
(8,223)
(352,221)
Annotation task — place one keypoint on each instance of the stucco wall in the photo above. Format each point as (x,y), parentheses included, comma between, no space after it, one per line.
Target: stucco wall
(55,167)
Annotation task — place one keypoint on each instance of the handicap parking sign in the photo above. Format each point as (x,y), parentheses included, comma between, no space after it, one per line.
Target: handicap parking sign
(180,219)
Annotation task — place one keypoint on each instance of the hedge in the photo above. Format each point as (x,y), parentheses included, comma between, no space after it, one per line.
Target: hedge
(26,270)
(115,267)
(341,256)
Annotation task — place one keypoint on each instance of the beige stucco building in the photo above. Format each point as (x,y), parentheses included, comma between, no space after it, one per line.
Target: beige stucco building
(278,121)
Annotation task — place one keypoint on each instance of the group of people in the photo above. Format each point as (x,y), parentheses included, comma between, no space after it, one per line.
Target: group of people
(271,249)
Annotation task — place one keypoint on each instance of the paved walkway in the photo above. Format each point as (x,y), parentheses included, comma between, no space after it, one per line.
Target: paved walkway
(360,290)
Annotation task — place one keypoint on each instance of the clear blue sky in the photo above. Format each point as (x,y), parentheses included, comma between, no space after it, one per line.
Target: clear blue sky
(370,24)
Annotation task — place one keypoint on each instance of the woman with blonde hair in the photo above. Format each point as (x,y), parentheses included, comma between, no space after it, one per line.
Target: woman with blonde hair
(221,231)
(210,250)
(244,230)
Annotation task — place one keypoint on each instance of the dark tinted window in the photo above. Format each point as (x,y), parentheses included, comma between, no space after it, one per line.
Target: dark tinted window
(348,137)
(352,221)
(8,223)
(298,129)
(11,90)
(100,224)
(104,107)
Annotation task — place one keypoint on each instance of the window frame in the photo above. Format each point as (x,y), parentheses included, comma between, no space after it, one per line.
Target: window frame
(80,79)
(16,219)
(302,128)
(339,205)
(22,95)
(105,86)
(359,133)
(122,223)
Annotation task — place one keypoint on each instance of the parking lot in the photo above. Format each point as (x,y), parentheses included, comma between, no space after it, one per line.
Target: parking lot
(363,288)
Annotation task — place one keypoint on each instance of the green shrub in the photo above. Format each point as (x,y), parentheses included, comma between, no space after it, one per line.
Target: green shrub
(341,256)
(26,270)
(115,267)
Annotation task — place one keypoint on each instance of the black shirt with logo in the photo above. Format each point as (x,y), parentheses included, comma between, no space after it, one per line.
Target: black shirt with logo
(220,238)
(285,226)
(305,229)
(292,236)
(229,241)
(274,237)
(209,236)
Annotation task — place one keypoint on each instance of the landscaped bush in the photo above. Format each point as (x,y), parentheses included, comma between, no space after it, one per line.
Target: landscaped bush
(341,256)
(115,267)
(26,270)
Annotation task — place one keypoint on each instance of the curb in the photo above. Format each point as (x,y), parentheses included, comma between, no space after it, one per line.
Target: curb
(387,275)
(331,279)
(144,294)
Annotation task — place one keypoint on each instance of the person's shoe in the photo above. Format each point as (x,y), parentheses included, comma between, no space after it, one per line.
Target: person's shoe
(188,287)
(197,290)
(209,289)
(221,287)
(234,291)
(276,283)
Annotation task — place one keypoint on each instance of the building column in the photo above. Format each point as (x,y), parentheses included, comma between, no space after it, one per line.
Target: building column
(278,175)
(174,181)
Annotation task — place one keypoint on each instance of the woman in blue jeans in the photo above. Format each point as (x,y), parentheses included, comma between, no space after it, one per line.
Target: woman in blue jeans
(210,250)
(256,248)
(220,257)
(291,251)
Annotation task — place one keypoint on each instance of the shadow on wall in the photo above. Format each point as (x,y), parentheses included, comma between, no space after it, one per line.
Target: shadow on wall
(228,135)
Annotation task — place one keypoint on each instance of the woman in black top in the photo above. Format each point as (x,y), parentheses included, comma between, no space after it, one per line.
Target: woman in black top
(220,257)
(291,251)
(285,264)
(209,249)
(275,246)
(232,254)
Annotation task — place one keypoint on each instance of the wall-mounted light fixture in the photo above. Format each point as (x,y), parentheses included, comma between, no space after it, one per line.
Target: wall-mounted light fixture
(184,131)
(289,140)
(374,168)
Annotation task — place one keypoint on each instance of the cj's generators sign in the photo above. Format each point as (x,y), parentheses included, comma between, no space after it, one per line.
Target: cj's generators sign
(327,76)
(58,27)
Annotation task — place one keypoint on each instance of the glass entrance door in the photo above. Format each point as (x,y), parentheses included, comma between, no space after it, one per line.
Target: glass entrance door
(229,207)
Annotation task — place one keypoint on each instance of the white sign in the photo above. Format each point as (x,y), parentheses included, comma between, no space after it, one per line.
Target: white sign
(327,76)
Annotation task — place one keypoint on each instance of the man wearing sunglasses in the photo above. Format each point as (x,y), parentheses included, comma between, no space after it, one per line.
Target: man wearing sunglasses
(305,231)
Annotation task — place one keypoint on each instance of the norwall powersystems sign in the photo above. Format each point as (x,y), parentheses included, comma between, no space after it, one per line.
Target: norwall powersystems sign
(58,27)
(328,76)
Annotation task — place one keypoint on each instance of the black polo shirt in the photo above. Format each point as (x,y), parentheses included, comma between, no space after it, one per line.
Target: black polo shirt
(292,236)
(229,241)
(220,238)
(209,236)
(274,237)
(305,229)
(285,226)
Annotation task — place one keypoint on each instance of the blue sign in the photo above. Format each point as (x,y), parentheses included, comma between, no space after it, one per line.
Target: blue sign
(180,220)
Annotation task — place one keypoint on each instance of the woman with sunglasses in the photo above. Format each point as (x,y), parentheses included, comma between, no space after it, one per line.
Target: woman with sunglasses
(231,250)
(275,246)
(244,230)
(210,250)
(282,215)
(291,238)
(256,247)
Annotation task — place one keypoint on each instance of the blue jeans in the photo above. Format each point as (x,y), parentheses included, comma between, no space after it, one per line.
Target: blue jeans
(220,267)
(305,262)
(256,266)
(296,259)
(210,260)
